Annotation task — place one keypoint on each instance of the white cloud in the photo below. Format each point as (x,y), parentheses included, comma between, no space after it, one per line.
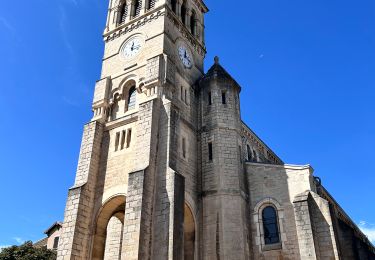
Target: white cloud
(69,101)
(18,240)
(63,28)
(368,229)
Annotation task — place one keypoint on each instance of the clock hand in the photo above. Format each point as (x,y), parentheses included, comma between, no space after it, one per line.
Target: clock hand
(132,48)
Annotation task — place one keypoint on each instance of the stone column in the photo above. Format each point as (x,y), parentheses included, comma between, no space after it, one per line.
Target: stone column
(129,4)
(131,9)
(75,238)
(178,9)
(187,18)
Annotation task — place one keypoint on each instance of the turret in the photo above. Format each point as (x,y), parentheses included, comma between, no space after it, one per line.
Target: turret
(222,165)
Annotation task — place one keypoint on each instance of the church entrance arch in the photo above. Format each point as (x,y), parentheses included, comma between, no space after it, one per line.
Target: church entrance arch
(189,234)
(108,231)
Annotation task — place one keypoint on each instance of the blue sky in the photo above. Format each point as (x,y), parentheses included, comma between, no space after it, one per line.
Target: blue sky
(306,70)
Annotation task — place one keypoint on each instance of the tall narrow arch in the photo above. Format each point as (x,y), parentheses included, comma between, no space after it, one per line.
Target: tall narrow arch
(113,241)
(111,215)
(189,234)
(183,12)
(193,23)
(174,5)
(137,8)
(151,4)
(124,9)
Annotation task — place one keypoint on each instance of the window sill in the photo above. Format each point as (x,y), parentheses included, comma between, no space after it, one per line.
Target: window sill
(276,246)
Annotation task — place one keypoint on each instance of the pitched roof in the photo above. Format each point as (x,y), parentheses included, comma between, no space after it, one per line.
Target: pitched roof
(217,71)
(56,224)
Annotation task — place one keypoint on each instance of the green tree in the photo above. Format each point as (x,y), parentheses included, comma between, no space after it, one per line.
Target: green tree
(27,252)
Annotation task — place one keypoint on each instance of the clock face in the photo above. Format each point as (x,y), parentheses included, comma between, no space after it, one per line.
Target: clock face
(132,47)
(185,57)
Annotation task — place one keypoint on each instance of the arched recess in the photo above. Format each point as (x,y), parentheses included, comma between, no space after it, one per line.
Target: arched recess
(129,94)
(108,218)
(189,234)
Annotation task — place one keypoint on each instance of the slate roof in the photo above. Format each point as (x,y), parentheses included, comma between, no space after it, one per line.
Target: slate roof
(217,71)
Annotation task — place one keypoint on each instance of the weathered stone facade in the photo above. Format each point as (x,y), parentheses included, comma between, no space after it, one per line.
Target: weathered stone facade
(168,170)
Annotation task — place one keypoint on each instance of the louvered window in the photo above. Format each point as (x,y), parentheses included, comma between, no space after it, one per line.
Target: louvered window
(137,8)
(151,4)
(132,98)
(124,13)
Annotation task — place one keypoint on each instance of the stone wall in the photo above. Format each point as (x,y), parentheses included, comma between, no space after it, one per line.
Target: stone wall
(277,185)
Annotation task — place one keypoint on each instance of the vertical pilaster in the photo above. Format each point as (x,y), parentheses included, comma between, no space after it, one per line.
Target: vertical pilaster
(178,9)
(187,18)
(304,227)
(138,212)
(176,191)
(74,241)
(324,237)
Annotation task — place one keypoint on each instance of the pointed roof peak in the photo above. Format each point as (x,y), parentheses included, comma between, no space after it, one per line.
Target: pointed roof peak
(217,71)
(216,60)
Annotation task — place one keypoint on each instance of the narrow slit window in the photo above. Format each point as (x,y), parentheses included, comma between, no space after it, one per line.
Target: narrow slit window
(123,135)
(55,242)
(209,98)
(128,138)
(182,93)
(223,97)
(184,147)
(117,140)
(210,152)
(186,99)
(240,153)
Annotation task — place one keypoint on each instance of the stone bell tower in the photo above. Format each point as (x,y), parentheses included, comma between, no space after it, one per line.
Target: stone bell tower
(137,187)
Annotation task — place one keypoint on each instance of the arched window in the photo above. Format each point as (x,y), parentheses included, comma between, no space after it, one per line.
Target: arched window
(270,226)
(123,13)
(137,8)
(174,5)
(249,153)
(132,98)
(193,23)
(183,13)
(151,4)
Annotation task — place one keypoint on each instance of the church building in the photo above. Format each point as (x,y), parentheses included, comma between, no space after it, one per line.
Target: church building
(167,168)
